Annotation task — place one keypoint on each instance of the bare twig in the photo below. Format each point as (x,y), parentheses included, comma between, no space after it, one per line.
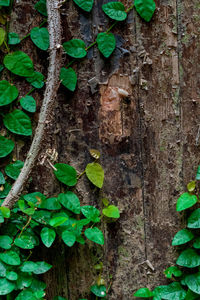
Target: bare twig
(52,84)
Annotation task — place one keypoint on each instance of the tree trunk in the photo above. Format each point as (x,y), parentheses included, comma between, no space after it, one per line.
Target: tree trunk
(140,109)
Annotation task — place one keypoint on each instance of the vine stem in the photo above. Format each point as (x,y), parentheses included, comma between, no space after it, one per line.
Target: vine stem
(55,57)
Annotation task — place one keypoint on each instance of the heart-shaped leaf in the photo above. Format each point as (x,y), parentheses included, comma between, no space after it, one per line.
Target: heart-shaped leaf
(188,258)
(75,48)
(95,174)
(8,93)
(28,103)
(185,201)
(111,211)
(18,122)
(69,238)
(85,4)
(13,38)
(6,147)
(106,43)
(115,10)
(68,78)
(19,63)
(13,169)
(95,235)
(183,236)
(66,174)
(40,37)
(36,80)
(145,8)
(48,236)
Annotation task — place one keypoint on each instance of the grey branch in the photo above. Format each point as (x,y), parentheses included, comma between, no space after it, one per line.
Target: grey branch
(52,84)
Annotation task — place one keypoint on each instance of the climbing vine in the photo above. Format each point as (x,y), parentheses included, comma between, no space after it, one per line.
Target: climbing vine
(31,220)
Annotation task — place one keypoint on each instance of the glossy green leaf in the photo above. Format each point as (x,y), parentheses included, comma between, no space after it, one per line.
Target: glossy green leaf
(194,219)
(68,78)
(29,210)
(196,243)
(185,201)
(4,2)
(188,258)
(68,238)
(6,286)
(25,242)
(75,48)
(2,269)
(5,211)
(48,236)
(57,221)
(143,293)
(66,174)
(35,198)
(70,201)
(42,267)
(198,173)
(13,170)
(145,8)
(191,186)
(2,179)
(51,204)
(36,80)
(8,93)
(85,4)
(106,43)
(11,275)
(13,38)
(95,235)
(111,211)
(42,216)
(19,63)
(191,295)
(183,236)
(2,35)
(5,242)
(172,271)
(91,213)
(26,295)
(6,147)
(10,258)
(40,37)
(98,290)
(28,103)
(95,174)
(115,10)
(28,266)
(18,122)
(40,6)
(173,291)
(23,281)
(6,190)
(193,282)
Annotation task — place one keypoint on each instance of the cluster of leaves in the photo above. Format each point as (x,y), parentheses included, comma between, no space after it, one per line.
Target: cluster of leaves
(37,220)
(185,274)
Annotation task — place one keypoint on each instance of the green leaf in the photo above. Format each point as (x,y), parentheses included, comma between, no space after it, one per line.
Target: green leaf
(173,291)
(35,197)
(172,271)
(4,2)
(11,275)
(51,204)
(57,221)
(4,193)
(106,43)
(198,173)
(5,242)
(6,286)
(70,201)
(25,242)
(2,34)
(28,266)
(183,236)
(18,122)
(36,80)
(37,285)
(115,10)
(1,68)
(23,281)
(185,201)
(40,6)
(66,174)
(191,295)
(145,8)
(75,48)
(26,295)
(13,38)
(29,211)
(5,211)
(8,93)
(194,219)
(48,236)
(193,282)
(98,290)
(69,238)
(2,179)
(42,267)
(85,4)
(10,258)
(191,186)
(2,269)
(196,243)
(13,170)
(111,211)
(42,216)
(95,174)
(28,103)
(188,258)
(68,78)
(40,37)
(6,147)
(91,213)
(19,63)
(143,293)
(95,235)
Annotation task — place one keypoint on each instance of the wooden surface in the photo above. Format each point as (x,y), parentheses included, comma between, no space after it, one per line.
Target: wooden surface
(149,139)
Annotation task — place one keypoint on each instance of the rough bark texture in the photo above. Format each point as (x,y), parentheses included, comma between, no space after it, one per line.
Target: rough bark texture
(149,139)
